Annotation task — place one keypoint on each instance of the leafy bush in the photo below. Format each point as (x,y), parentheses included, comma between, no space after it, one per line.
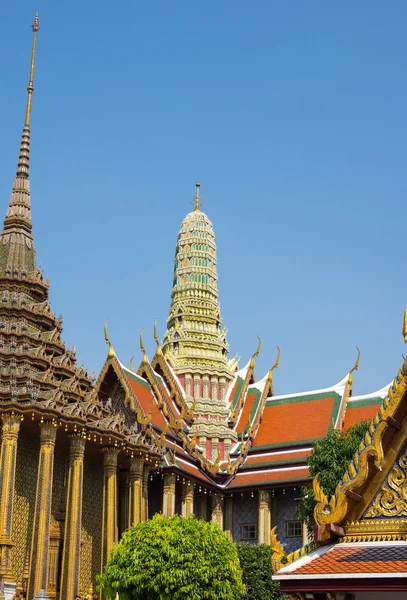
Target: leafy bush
(171,558)
(330,459)
(255,561)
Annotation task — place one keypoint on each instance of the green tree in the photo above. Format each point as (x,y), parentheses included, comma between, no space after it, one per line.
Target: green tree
(173,558)
(330,459)
(255,561)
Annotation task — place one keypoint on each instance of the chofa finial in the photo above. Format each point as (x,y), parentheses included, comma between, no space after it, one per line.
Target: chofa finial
(256,353)
(275,366)
(110,353)
(355,367)
(158,351)
(405,326)
(145,359)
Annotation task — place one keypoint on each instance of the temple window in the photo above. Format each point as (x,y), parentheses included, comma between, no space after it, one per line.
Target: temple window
(293,529)
(248,532)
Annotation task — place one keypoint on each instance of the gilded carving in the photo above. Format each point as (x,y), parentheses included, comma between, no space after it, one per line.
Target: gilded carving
(391,501)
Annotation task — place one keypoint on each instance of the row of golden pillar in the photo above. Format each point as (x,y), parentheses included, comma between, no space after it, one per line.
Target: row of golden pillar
(217,507)
(137,503)
(136,507)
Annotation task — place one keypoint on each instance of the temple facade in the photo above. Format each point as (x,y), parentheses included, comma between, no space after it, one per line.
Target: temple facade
(186,431)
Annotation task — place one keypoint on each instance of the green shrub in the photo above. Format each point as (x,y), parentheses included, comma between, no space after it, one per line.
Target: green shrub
(171,558)
(255,561)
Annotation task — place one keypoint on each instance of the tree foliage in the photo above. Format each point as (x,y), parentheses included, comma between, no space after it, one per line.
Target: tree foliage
(173,558)
(255,561)
(330,459)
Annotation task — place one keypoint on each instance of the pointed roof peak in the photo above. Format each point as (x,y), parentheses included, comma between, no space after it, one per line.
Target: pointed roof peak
(197,199)
(17,254)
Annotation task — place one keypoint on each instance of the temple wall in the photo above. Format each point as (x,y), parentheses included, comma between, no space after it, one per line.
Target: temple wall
(245,512)
(24,499)
(282,511)
(90,553)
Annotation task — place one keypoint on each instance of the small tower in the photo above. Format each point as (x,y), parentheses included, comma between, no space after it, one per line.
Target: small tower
(195,343)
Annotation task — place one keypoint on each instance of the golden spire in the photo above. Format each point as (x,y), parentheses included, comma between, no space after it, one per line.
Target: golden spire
(405,326)
(24,156)
(197,199)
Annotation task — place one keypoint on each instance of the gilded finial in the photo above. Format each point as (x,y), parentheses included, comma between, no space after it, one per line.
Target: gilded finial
(158,351)
(405,326)
(256,353)
(145,359)
(110,353)
(30,88)
(354,368)
(275,366)
(131,364)
(23,165)
(197,199)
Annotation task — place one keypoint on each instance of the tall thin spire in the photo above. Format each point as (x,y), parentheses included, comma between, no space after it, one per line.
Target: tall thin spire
(17,253)
(24,156)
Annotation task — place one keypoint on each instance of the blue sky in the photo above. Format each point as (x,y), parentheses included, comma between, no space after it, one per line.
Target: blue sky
(293,115)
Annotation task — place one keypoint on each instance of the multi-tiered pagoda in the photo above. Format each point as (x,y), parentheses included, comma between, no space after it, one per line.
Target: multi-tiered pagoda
(186,431)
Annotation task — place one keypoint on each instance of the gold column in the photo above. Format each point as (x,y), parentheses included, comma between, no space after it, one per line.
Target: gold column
(217,509)
(144,496)
(73,519)
(135,490)
(187,499)
(42,510)
(109,523)
(124,502)
(169,495)
(8,456)
(264,518)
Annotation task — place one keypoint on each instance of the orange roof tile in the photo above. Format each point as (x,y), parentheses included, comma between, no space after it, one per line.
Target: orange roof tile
(277,457)
(355,414)
(354,559)
(245,414)
(270,476)
(146,399)
(296,421)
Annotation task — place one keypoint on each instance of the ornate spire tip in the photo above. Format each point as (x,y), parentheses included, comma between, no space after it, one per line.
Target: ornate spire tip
(36,25)
(197,199)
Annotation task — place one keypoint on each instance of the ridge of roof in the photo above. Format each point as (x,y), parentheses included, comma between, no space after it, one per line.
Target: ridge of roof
(382,393)
(338,388)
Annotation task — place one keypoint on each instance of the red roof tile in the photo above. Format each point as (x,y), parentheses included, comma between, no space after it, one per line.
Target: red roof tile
(270,476)
(355,559)
(296,421)
(147,399)
(360,413)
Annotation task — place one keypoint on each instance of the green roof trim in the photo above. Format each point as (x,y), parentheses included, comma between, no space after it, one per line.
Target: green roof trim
(236,395)
(137,378)
(257,392)
(287,444)
(365,402)
(276,483)
(273,463)
(308,398)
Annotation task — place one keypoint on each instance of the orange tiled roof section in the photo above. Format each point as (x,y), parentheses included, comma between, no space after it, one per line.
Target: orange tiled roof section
(297,419)
(146,399)
(358,559)
(355,414)
(245,414)
(272,476)
(301,455)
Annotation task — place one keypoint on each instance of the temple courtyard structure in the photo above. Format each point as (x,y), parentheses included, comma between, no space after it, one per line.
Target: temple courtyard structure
(186,431)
